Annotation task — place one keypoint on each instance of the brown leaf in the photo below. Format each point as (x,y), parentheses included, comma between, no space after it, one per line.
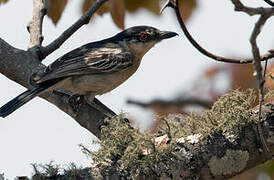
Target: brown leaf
(56,9)
(151,5)
(103,9)
(115,7)
(118,13)
(186,8)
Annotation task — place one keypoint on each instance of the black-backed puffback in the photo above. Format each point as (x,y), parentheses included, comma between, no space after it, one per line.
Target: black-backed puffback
(94,68)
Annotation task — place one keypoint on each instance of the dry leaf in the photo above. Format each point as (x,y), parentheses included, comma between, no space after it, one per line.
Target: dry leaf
(118,13)
(102,10)
(56,8)
(151,5)
(186,8)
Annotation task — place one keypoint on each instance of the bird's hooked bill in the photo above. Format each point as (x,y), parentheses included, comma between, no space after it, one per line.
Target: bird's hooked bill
(167,34)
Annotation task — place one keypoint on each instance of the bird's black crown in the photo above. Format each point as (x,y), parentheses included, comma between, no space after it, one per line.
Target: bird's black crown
(143,34)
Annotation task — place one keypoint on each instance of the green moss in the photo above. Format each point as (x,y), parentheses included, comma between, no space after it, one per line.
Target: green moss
(134,153)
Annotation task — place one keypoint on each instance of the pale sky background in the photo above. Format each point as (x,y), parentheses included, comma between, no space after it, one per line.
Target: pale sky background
(39,132)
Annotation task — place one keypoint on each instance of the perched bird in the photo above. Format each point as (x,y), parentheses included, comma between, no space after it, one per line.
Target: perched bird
(94,68)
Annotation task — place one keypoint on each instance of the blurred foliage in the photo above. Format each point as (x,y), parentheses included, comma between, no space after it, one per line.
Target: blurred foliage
(117,8)
(266,169)
(239,76)
(3,1)
(212,83)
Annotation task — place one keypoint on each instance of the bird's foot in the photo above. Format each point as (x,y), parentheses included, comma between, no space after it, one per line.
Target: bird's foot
(76,101)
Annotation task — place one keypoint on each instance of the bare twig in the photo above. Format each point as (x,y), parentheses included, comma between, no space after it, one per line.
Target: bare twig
(35,25)
(175,4)
(251,11)
(45,51)
(177,102)
(258,71)
(265,68)
(271,3)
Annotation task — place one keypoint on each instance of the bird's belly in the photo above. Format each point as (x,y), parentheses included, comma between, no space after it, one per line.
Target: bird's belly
(95,84)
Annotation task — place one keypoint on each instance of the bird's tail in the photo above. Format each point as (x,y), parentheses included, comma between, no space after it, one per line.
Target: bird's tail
(20,100)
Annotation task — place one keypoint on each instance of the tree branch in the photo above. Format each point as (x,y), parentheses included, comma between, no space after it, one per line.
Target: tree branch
(269,2)
(252,11)
(239,6)
(36,24)
(45,51)
(258,70)
(19,65)
(179,103)
(220,155)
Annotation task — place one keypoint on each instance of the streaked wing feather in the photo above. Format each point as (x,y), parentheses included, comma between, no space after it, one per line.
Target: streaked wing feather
(98,61)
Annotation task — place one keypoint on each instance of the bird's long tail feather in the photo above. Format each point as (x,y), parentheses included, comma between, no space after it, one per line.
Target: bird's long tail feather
(19,101)
(23,98)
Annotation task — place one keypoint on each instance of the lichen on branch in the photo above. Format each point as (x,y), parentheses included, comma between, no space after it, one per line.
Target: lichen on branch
(135,154)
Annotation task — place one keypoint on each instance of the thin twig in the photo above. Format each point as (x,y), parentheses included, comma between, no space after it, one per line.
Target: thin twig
(175,6)
(265,68)
(84,19)
(258,71)
(271,3)
(250,10)
(176,103)
(35,25)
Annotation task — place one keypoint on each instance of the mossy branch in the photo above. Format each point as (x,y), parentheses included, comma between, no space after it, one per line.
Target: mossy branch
(218,144)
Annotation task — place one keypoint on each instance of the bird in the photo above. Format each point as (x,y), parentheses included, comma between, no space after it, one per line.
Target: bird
(94,68)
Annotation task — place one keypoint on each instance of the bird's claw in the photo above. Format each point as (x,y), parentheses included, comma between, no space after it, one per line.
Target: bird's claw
(76,101)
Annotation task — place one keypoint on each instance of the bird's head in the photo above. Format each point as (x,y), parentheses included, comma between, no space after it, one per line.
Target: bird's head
(141,39)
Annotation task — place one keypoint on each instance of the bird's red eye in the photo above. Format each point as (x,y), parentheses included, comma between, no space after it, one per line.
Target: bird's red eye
(143,36)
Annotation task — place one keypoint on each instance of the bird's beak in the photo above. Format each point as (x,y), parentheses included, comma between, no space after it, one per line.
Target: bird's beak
(167,34)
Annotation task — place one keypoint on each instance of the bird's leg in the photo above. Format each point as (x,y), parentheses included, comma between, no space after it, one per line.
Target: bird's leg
(94,102)
(74,100)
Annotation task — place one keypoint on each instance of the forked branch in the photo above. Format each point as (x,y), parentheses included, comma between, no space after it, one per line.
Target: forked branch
(252,11)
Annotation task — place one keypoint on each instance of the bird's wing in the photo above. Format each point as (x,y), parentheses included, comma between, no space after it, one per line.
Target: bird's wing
(86,61)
